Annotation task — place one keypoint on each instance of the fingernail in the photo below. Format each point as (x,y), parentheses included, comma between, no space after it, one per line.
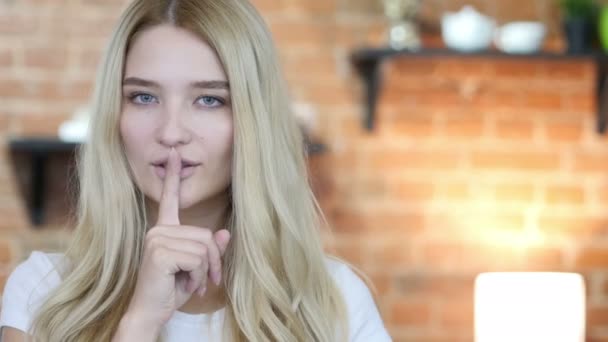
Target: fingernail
(218,278)
(202,291)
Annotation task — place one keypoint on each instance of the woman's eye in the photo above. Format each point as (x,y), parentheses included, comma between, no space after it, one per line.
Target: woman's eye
(210,101)
(142,98)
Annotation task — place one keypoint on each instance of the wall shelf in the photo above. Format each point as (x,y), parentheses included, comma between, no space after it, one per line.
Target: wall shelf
(40,149)
(367,63)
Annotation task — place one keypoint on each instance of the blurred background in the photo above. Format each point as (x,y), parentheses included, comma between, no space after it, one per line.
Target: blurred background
(483,154)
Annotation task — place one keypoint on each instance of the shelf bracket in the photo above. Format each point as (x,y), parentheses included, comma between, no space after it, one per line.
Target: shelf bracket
(369,70)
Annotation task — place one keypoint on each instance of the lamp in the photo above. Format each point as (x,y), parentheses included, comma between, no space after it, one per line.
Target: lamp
(529,307)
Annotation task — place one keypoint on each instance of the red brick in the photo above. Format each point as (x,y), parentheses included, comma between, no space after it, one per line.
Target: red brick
(516,129)
(469,257)
(467,219)
(374,188)
(18,25)
(344,161)
(353,128)
(11,88)
(516,69)
(591,161)
(382,284)
(89,59)
(517,10)
(269,6)
(514,192)
(353,221)
(565,194)
(46,90)
(464,126)
(375,34)
(98,27)
(579,226)
(591,336)
(597,317)
(605,288)
(101,3)
(564,132)
(325,7)
(13,221)
(37,2)
(411,191)
(435,285)
(363,7)
(544,259)
(46,57)
(6,58)
(392,255)
(39,124)
(602,194)
(4,122)
(398,69)
(350,253)
(438,98)
(333,93)
(406,125)
(454,191)
(299,33)
(592,258)
(457,314)
(462,68)
(439,255)
(407,313)
(543,100)
(581,102)
(515,160)
(6,252)
(576,70)
(510,99)
(319,67)
(394,159)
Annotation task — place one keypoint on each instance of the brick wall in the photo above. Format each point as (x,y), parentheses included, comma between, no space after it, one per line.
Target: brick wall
(475,164)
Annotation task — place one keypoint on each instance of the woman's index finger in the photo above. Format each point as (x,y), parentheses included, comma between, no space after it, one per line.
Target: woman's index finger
(168,213)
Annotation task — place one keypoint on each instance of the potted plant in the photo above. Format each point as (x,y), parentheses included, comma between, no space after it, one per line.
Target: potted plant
(579,24)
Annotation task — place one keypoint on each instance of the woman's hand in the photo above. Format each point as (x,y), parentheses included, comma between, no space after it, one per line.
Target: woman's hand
(178,260)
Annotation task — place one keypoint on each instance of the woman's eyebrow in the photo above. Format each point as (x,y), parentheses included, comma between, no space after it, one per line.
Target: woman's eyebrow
(198,84)
(140,82)
(210,85)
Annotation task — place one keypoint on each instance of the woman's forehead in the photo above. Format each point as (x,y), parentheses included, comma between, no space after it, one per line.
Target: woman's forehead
(168,54)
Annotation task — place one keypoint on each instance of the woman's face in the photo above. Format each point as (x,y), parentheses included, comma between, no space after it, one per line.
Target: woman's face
(175,94)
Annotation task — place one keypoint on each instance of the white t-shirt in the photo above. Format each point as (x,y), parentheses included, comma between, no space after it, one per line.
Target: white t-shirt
(30,283)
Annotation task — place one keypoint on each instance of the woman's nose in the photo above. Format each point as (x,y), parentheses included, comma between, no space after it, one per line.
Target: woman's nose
(172,130)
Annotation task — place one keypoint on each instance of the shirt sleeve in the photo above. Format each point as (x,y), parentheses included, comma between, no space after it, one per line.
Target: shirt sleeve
(24,291)
(365,322)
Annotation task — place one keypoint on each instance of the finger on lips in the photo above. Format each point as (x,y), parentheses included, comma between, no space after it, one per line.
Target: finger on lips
(168,213)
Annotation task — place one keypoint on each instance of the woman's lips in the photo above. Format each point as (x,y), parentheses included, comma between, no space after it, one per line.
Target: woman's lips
(185,172)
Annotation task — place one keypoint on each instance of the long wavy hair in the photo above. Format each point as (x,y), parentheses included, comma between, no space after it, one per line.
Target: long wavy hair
(277,283)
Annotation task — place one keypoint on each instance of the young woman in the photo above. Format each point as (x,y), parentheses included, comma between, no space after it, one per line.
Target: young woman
(196,221)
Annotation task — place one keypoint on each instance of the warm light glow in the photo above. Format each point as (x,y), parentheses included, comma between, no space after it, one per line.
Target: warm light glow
(529,307)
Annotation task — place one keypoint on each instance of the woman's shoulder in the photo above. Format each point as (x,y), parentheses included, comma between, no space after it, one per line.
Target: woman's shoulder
(39,268)
(27,287)
(353,286)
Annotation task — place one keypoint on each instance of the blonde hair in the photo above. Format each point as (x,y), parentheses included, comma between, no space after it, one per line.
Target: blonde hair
(278,285)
